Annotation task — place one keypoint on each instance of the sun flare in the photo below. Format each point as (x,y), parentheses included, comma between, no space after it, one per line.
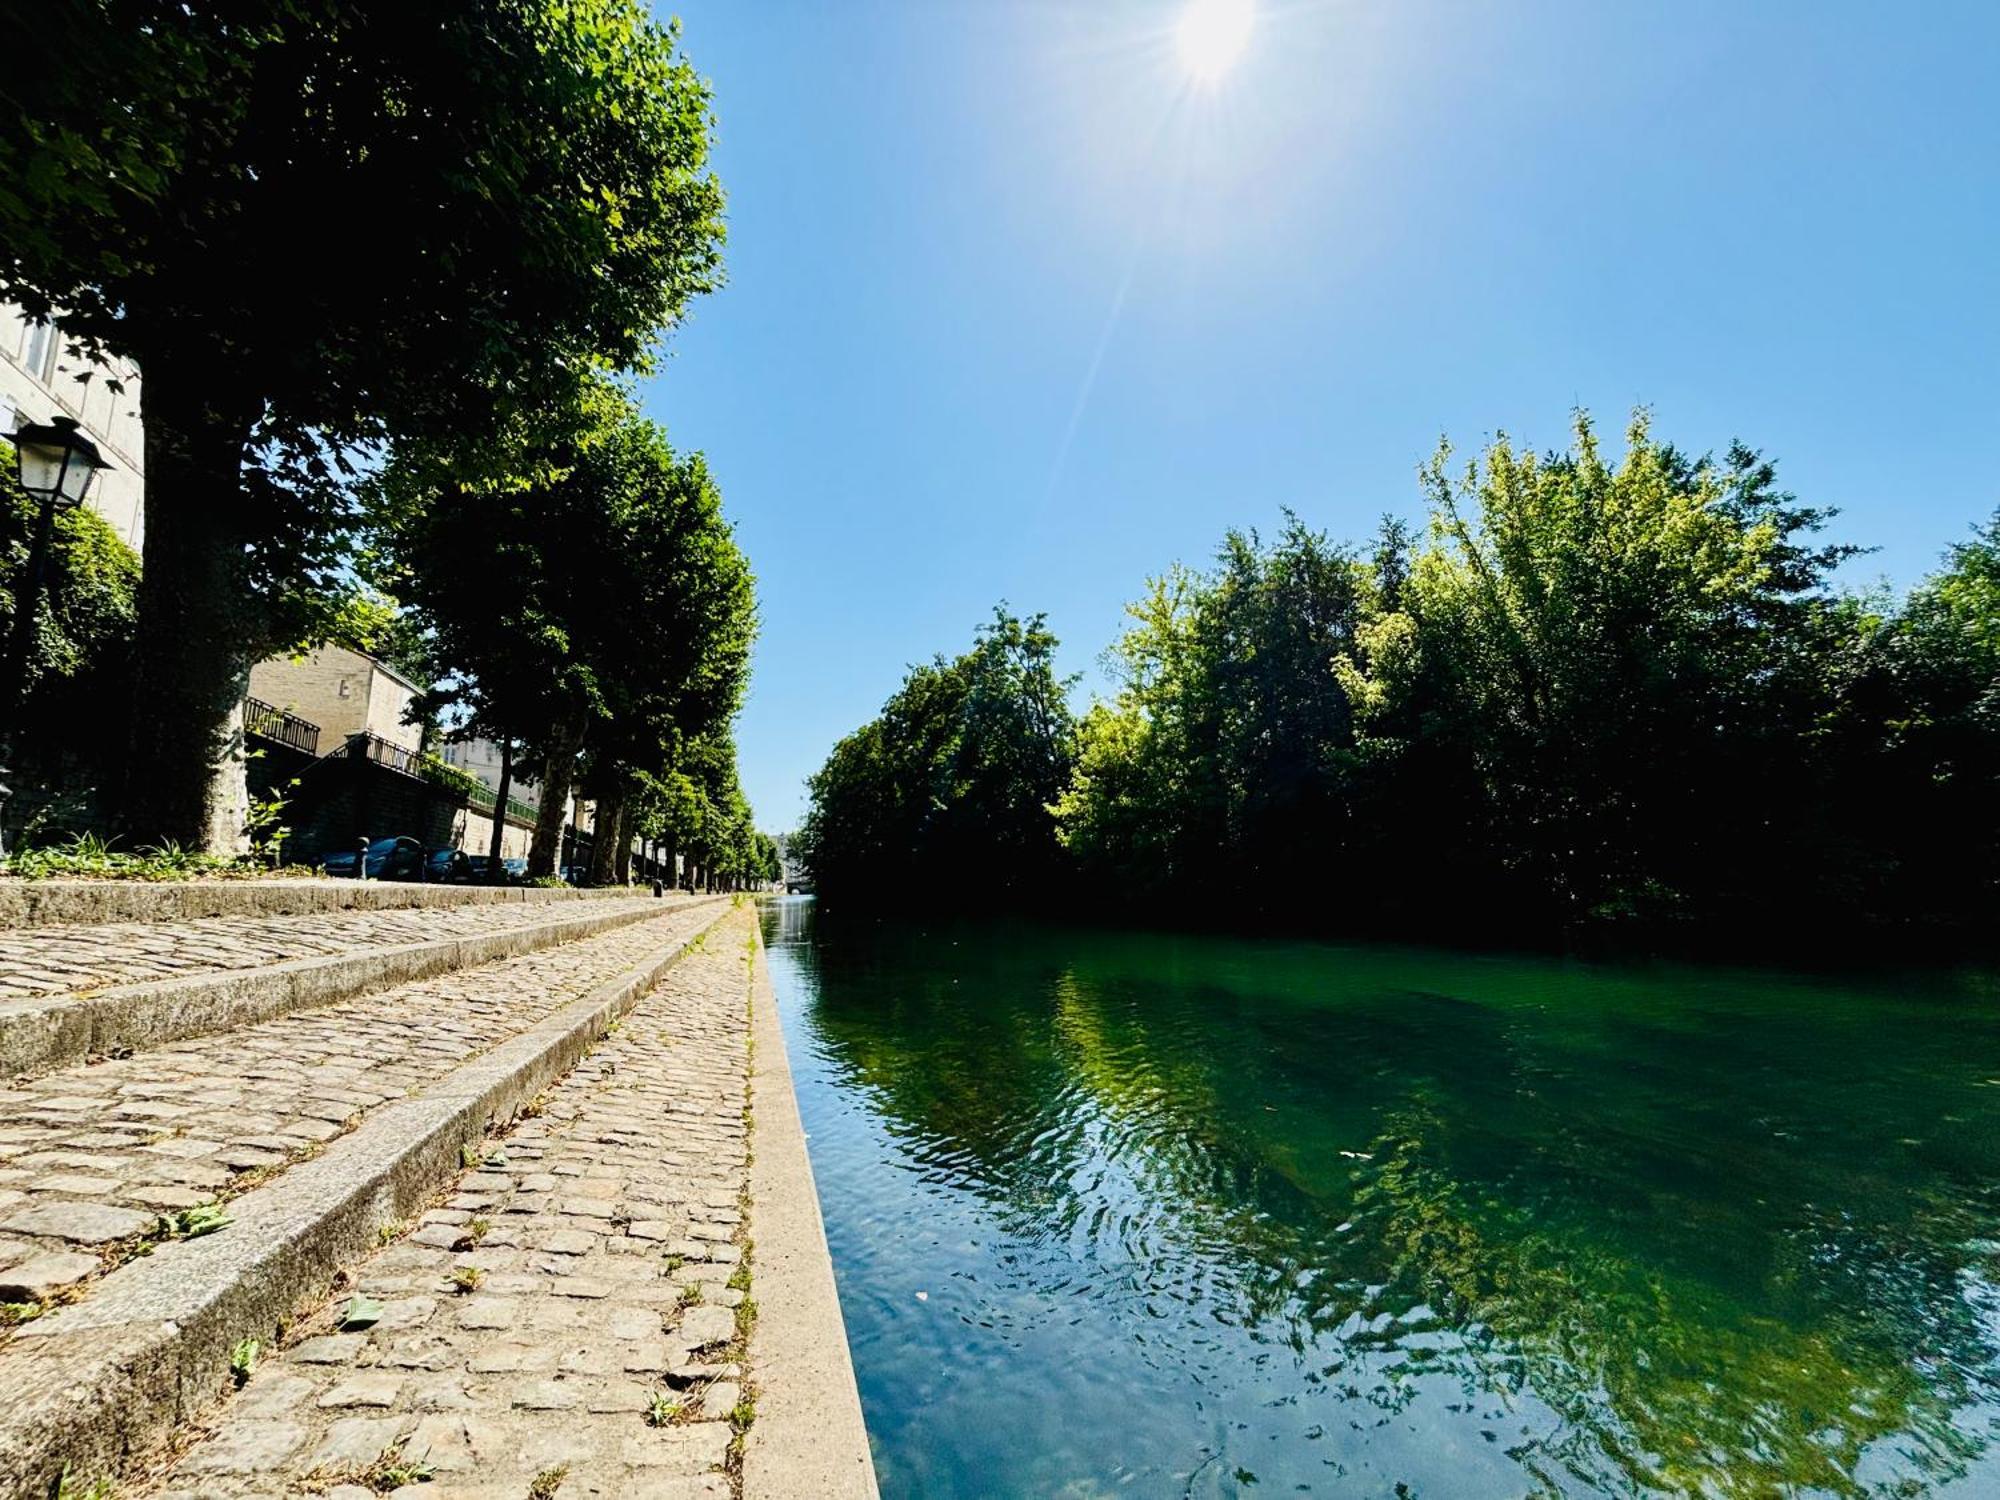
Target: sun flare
(1211,35)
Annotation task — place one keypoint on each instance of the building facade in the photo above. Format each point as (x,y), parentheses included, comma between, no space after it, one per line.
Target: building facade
(481,758)
(342,692)
(40,378)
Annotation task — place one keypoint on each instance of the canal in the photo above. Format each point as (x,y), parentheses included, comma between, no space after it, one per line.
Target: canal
(1119,1214)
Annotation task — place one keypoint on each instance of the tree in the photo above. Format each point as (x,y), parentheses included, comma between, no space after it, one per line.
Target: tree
(628,608)
(317,225)
(1224,763)
(949,789)
(1605,677)
(1919,742)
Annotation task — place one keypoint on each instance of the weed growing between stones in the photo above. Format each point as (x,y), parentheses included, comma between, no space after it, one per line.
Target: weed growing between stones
(192,1223)
(663,1410)
(548,1482)
(69,1487)
(466,1279)
(243,1361)
(389,1472)
(740,1417)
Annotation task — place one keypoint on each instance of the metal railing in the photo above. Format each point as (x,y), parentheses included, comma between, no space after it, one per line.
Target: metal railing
(483,801)
(261,718)
(368,745)
(364,745)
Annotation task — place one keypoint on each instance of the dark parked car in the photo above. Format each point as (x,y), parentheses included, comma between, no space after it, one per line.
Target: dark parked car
(447,867)
(388,859)
(512,871)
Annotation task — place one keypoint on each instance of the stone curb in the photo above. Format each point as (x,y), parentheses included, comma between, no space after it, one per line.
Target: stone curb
(57,1031)
(91,903)
(809,1441)
(101,1385)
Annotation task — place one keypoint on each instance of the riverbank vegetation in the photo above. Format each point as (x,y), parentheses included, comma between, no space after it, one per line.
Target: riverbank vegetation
(1590,698)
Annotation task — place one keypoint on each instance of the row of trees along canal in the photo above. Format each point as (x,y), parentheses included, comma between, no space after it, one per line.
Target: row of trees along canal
(386,272)
(1593,698)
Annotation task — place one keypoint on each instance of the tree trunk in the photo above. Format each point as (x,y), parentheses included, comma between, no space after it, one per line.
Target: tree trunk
(565,740)
(495,870)
(201,623)
(623,867)
(605,834)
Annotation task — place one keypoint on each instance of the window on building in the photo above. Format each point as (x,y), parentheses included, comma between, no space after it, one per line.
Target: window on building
(38,350)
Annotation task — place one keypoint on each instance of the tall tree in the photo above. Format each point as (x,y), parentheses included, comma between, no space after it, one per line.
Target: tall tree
(949,789)
(613,612)
(316,225)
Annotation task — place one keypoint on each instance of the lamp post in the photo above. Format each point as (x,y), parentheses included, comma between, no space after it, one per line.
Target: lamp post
(55,464)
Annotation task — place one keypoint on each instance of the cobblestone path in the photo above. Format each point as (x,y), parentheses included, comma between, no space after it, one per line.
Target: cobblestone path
(37,962)
(90,1156)
(564,1323)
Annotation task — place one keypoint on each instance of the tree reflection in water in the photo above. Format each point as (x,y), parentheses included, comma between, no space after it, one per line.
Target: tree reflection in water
(1640,1232)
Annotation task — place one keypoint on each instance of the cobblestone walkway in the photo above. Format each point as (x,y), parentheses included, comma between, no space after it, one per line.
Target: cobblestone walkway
(92,1155)
(564,1323)
(37,962)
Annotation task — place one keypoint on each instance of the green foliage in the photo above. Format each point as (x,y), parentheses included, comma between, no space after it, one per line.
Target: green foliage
(88,856)
(319,227)
(947,793)
(629,607)
(1227,756)
(79,658)
(89,598)
(69,1487)
(438,773)
(1596,696)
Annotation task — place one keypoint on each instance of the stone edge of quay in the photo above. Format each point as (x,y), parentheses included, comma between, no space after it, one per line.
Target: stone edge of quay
(102,1384)
(809,1441)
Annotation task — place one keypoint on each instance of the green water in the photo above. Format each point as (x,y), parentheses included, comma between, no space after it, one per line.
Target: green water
(1119,1214)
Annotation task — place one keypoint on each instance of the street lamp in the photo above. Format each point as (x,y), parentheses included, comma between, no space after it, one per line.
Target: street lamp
(55,464)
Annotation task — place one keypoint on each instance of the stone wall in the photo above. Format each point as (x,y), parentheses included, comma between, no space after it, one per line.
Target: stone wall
(476,835)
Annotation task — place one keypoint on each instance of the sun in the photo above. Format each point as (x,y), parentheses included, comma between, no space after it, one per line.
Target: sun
(1211,35)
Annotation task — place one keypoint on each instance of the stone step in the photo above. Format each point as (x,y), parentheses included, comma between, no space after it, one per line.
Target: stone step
(64,903)
(592,1266)
(98,1385)
(68,994)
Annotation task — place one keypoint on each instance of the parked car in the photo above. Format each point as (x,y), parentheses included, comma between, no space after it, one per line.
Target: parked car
(512,871)
(447,867)
(399,858)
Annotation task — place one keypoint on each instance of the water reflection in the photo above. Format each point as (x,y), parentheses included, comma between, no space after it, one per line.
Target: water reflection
(1202,1216)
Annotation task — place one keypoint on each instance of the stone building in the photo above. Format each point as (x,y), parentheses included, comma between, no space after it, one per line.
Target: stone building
(343,692)
(40,379)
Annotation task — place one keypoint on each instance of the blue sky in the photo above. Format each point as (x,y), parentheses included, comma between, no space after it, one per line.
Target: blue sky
(1016,311)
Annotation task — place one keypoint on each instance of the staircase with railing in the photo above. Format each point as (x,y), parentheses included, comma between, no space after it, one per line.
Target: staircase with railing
(274,724)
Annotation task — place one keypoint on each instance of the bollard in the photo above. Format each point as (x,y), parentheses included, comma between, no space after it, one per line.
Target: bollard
(361,860)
